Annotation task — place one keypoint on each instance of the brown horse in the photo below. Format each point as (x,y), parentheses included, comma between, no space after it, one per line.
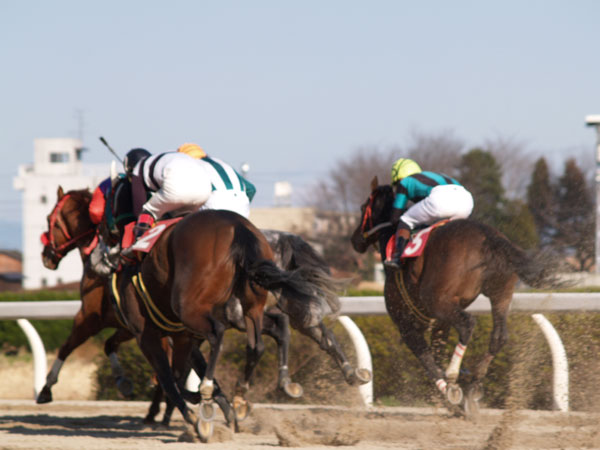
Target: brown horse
(70,227)
(461,260)
(194,268)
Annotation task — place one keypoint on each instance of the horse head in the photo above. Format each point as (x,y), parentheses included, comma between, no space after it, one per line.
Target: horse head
(375,215)
(69,226)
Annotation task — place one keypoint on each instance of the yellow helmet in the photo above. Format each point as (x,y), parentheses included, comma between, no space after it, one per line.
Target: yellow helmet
(194,150)
(403,168)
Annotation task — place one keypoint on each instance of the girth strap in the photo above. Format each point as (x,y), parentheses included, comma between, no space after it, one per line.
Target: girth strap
(157,317)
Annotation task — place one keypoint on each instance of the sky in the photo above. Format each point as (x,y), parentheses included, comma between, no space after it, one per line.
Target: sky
(291,87)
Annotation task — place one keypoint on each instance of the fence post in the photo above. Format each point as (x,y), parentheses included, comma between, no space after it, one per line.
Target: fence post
(560,385)
(363,355)
(39,356)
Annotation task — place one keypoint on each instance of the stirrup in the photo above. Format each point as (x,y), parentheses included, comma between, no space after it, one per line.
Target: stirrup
(392,264)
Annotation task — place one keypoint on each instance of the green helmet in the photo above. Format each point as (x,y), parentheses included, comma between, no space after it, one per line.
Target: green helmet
(403,168)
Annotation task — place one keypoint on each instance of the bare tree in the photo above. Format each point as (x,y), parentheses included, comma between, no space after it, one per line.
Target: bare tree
(438,152)
(516,163)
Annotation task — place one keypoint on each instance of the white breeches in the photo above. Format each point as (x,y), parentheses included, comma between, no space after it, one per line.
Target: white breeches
(231,200)
(186,187)
(444,202)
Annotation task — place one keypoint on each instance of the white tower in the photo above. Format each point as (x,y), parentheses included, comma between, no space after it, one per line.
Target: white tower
(56,162)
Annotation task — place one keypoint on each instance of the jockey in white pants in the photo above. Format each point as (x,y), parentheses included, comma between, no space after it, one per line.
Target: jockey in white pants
(185,181)
(435,196)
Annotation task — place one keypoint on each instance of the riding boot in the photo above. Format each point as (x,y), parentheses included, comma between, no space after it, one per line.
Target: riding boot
(143,224)
(402,237)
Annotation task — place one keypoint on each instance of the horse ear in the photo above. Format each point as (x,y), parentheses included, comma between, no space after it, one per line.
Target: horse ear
(374,183)
(60,192)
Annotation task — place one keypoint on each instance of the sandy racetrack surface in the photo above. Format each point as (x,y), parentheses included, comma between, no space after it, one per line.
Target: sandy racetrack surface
(118,425)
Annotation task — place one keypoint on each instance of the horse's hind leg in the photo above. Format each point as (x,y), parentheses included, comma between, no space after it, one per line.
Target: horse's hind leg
(84,326)
(254,350)
(276,325)
(327,342)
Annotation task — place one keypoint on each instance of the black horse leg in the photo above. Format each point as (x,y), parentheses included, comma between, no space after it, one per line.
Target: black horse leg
(150,344)
(276,325)
(327,342)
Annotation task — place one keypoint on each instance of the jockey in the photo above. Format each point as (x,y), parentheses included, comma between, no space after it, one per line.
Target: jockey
(230,190)
(184,181)
(435,196)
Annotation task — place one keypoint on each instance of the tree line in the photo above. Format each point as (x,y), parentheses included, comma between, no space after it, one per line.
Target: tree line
(513,190)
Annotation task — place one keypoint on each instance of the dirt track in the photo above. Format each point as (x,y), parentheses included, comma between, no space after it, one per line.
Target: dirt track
(117,425)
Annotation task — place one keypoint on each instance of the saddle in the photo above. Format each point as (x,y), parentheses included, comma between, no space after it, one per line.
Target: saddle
(416,244)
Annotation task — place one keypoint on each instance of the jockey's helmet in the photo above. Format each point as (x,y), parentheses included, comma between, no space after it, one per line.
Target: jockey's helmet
(194,150)
(132,157)
(403,168)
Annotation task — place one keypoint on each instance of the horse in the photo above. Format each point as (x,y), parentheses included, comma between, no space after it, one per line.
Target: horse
(70,227)
(69,217)
(462,259)
(185,281)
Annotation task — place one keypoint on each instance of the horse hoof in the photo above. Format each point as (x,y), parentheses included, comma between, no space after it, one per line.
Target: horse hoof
(45,396)
(363,375)
(293,390)
(454,394)
(475,392)
(242,408)
(204,430)
(125,386)
(472,405)
(207,412)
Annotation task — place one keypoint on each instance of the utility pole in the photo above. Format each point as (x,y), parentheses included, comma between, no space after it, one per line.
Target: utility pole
(594,121)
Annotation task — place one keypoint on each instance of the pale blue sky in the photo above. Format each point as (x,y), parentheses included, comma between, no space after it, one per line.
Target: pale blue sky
(292,86)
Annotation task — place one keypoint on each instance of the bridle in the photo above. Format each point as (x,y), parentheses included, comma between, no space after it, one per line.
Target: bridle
(57,252)
(368,220)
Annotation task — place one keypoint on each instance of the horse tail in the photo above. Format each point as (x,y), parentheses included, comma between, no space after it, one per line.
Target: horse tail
(256,268)
(296,253)
(538,270)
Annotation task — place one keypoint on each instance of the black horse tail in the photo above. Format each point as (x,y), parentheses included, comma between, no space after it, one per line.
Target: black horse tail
(253,267)
(296,253)
(538,270)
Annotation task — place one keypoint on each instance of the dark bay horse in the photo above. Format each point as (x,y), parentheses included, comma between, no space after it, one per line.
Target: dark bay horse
(461,260)
(188,276)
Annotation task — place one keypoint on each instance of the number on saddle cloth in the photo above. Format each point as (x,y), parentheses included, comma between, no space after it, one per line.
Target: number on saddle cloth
(416,244)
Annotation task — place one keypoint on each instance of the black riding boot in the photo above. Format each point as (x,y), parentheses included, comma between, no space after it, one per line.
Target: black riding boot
(402,236)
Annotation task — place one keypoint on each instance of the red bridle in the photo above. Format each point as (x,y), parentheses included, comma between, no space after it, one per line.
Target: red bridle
(368,219)
(48,239)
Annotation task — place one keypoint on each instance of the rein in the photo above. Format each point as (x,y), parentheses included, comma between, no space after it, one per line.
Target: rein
(368,220)
(47,237)
(421,317)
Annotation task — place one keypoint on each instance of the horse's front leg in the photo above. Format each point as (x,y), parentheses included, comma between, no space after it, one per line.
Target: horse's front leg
(84,326)
(276,325)
(150,344)
(111,346)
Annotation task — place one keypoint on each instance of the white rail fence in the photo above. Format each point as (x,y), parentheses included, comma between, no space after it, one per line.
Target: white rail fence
(524,302)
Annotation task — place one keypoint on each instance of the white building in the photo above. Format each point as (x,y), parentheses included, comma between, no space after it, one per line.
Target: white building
(56,162)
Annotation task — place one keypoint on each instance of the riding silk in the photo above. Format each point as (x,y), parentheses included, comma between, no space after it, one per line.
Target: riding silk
(180,182)
(417,242)
(435,196)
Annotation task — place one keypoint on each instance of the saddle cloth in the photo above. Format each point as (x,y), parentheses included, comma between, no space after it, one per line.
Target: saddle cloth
(416,244)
